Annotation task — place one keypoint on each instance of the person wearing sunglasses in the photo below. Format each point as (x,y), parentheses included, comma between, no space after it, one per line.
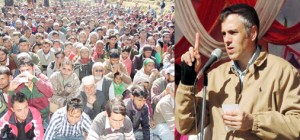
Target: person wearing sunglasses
(103,83)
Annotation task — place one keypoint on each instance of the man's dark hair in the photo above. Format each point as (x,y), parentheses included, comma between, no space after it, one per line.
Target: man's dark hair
(75,103)
(4,49)
(139,91)
(114,53)
(247,13)
(4,70)
(116,106)
(24,59)
(126,49)
(19,97)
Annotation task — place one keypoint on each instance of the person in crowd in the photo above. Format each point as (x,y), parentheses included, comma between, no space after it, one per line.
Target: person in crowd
(125,58)
(268,106)
(94,100)
(55,65)
(118,85)
(103,83)
(148,70)
(158,89)
(69,122)
(5,60)
(21,121)
(46,55)
(137,62)
(24,46)
(83,66)
(99,54)
(164,116)
(138,112)
(65,85)
(34,84)
(112,124)
(5,78)
(113,65)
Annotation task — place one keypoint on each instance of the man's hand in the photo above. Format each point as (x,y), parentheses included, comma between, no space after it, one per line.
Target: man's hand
(193,54)
(238,120)
(26,74)
(152,123)
(14,84)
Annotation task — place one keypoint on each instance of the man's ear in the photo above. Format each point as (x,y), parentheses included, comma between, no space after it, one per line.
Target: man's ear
(253,33)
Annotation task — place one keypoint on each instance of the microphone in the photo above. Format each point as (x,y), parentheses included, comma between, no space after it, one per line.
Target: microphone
(215,55)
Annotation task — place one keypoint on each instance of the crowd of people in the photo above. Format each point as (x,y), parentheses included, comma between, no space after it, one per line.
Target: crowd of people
(86,71)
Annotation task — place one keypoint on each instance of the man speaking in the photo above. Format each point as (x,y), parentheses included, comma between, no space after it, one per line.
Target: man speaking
(254,96)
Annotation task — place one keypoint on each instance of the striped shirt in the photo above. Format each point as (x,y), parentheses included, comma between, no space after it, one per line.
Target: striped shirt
(60,127)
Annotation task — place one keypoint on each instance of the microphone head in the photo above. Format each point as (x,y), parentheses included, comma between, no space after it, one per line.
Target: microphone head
(217,52)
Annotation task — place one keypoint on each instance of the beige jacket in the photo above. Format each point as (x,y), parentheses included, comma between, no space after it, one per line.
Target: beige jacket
(270,92)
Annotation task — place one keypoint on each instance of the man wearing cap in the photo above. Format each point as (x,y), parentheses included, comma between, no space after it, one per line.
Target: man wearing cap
(137,62)
(163,44)
(94,100)
(148,71)
(159,89)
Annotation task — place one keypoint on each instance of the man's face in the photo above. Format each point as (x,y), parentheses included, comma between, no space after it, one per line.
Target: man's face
(236,39)
(55,36)
(7,44)
(113,41)
(73,116)
(3,56)
(84,53)
(21,110)
(56,27)
(24,47)
(147,54)
(98,71)
(18,25)
(114,61)
(139,102)
(148,67)
(143,34)
(167,39)
(170,78)
(41,29)
(26,68)
(4,81)
(125,55)
(116,121)
(46,48)
(89,89)
(66,70)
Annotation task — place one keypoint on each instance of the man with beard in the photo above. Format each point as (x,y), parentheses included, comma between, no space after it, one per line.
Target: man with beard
(138,112)
(159,89)
(163,44)
(103,83)
(94,100)
(65,85)
(126,34)
(5,60)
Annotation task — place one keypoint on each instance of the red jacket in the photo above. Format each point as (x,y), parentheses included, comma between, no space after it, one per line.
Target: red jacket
(33,124)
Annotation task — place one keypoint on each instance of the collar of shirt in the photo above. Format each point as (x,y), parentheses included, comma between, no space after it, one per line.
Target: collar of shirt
(7,61)
(236,67)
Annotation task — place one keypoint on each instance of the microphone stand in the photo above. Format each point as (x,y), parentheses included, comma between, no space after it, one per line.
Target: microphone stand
(205,81)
